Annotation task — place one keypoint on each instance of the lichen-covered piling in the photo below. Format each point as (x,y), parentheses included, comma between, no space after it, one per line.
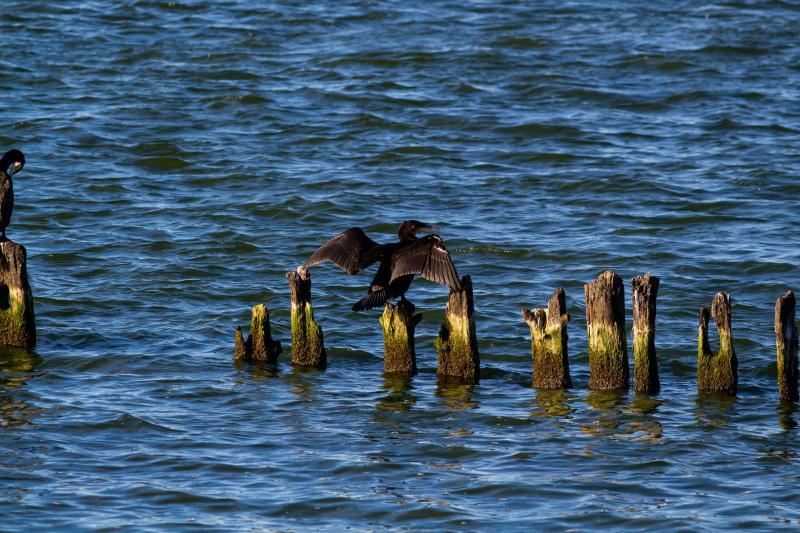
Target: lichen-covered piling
(549,343)
(259,346)
(17,320)
(457,344)
(308,348)
(786,340)
(605,326)
(398,323)
(717,372)
(645,365)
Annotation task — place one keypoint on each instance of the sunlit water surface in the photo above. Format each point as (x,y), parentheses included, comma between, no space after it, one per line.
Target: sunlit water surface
(183,155)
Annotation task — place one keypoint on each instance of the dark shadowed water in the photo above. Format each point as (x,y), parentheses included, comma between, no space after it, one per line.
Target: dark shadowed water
(183,155)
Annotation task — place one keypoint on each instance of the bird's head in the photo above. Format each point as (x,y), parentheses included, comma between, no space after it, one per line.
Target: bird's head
(12,162)
(409,229)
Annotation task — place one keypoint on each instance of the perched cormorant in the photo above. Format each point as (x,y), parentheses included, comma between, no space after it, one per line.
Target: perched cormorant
(11,163)
(353,251)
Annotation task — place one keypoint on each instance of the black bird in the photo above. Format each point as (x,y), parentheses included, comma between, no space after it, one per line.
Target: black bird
(353,251)
(11,163)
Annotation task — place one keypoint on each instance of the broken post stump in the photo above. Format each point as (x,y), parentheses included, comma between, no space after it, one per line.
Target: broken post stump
(605,327)
(549,343)
(17,320)
(398,323)
(786,340)
(259,346)
(308,348)
(645,365)
(717,372)
(457,344)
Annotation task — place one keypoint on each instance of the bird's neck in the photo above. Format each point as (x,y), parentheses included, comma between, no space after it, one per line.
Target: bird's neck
(406,236)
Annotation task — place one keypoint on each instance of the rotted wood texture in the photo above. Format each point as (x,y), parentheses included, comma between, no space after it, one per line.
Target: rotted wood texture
(549,343)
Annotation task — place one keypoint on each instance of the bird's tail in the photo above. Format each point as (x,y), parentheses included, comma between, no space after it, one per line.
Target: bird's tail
(370,300)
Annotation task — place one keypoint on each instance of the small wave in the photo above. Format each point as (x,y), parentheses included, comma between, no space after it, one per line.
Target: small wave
(129,422)
(232,75)
(732,50)
(244,99)
(536,128)
(161,163)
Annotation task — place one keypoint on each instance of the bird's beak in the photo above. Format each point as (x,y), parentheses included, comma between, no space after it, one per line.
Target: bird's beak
(430,229)
(14,170)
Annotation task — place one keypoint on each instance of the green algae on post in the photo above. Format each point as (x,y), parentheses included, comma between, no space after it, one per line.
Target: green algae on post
(549,343)
(398,323)
(786,341)
(605,326)
(717,372)
(259,346)
(645,364)
(239,346)
(17,319)
(308,348)
(457,344)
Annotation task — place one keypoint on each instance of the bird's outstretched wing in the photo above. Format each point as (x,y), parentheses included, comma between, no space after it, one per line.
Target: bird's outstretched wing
(351,251)
(428,257)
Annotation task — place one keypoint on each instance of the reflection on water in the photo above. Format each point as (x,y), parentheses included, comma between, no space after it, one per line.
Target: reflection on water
(456,393)
(605,400)
(399,397)
(645,404)
(713,408)
(551,404)
(16,368)
(302,380)
(608,403)
(258,370)
(786,415)
(613,419)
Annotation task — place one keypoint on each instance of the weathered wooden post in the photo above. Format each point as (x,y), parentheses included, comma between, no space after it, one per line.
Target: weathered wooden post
(17,320)
(549,343)
(786,340)
(398,323)
(717,372)
(457,344)
(308,348)
(645,365)
(605,326)
(259,346)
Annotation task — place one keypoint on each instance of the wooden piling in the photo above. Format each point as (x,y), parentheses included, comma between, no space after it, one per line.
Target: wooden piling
(457,344)
(786,341)
(645,366)
(605,326)
(17,320)
(259,346)
(239,346)
(308,348)
(398,323)
(549,343)
(717,372)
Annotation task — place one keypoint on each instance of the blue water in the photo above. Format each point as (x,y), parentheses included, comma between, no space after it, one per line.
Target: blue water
(181,156)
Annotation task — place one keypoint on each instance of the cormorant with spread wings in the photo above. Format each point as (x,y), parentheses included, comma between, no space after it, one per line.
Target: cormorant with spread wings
(353,251)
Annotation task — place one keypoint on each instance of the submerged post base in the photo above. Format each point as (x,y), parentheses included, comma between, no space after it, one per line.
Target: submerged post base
(259,346)
(17,320)
(398,323)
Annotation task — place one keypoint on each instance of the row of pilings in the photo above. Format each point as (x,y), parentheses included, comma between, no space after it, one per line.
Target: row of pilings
(457,345)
